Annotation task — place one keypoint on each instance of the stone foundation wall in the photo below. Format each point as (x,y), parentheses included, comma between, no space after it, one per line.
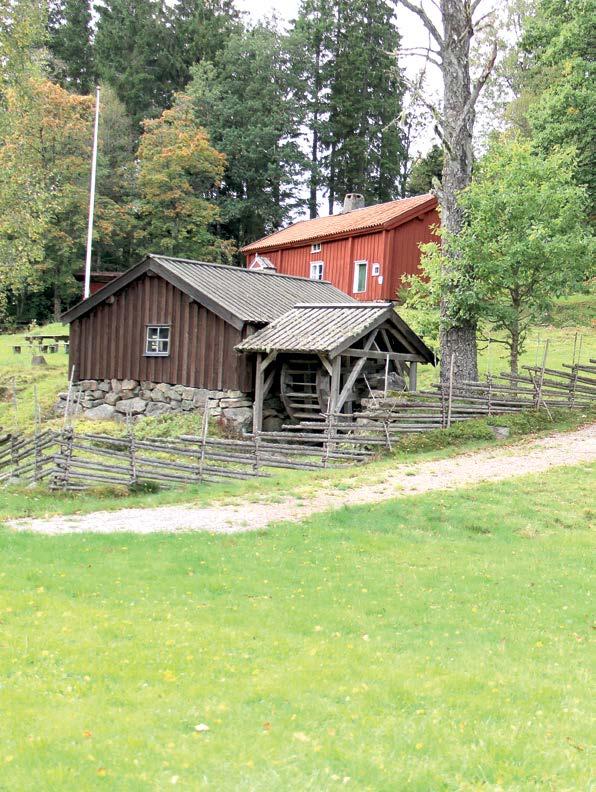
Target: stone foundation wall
(114,399)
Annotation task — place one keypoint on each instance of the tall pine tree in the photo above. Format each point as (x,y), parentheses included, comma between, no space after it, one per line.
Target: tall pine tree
(246,103)
(69,26)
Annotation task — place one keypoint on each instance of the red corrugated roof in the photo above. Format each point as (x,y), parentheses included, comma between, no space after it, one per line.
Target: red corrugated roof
(383,215)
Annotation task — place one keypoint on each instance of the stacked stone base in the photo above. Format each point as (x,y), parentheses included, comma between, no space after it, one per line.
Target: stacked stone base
(121,400)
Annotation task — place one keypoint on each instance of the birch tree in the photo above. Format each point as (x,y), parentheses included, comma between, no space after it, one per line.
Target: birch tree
(449,49)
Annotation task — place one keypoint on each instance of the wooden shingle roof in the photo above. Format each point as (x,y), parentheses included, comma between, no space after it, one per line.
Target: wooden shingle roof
(385,215)
(329,329)
(237,295)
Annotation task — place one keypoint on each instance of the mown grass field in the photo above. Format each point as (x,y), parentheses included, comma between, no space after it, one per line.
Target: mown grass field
(430,643)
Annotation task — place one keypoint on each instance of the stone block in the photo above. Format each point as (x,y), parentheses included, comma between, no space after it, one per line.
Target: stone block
(188,393)
(116,385)
(87,385)
(187,404)
(98,394)
(145,394)
(133,406)
(146,385)
(174,396)
(129,384)
(103,412)
(235,402)
(111,398)
(239,418)
(200,397)
(126,394)
(104,385)
(157,395)
(157,408)
(178,388)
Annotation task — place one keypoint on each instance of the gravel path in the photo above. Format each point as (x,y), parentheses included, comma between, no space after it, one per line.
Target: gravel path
(494,464)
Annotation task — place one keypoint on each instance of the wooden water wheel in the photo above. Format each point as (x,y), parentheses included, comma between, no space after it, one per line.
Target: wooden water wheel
(304,388)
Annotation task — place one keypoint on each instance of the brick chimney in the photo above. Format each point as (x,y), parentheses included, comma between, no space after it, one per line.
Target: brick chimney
(353,201)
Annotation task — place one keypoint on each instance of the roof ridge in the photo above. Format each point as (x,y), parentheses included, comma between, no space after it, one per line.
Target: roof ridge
(240,269)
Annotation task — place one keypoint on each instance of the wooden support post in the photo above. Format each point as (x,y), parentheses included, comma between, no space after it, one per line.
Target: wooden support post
(335,383)
(413,376)
(450,393)
(257,416)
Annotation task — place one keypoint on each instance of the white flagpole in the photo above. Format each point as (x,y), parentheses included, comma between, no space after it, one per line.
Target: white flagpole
(87,288)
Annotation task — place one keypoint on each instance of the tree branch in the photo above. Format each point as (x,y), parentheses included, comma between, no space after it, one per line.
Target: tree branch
(477,87)
(426,20)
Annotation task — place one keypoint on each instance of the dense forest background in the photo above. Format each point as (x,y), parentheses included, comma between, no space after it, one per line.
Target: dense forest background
(215,130)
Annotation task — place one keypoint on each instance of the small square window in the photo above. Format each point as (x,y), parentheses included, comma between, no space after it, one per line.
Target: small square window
(376,270)
(157,340)
(316,270)
(315,248)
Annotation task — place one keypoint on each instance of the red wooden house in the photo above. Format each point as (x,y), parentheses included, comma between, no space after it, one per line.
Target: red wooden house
(364,251)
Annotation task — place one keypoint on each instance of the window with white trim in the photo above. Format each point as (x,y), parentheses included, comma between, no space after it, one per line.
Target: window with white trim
(360,270)
(315,247)
(157,340)
(376,270)
(316,270)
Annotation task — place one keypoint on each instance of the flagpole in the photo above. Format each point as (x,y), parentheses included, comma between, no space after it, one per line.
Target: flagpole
(87,288)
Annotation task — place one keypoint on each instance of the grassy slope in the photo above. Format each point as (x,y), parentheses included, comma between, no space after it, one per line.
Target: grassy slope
(420,644)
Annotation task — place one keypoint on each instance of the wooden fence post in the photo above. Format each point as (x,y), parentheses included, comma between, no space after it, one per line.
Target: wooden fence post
(204,431)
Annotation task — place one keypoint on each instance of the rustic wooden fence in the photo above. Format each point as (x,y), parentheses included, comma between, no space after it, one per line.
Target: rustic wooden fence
(385,419)
(72,460)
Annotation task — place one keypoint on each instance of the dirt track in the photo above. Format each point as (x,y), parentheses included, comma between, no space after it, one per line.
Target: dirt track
(494,464)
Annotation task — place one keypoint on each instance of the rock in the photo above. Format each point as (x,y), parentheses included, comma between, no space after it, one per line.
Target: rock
(129,384)
(231,394)
(500,432)
(63,395)
(174,396)
(200,397)
(111,398)
(38,360)
(145,394)
(163,387)
(188,393)
(73,409)
(87,385)
(175,406)
(133,406)
(116,385)
(272,423)
(178,388)
(98,394)
(126,394)
(104,385)
(157,408)
(88,403)
(244,402)
(187,404)
(157,395)
(103,412)
(146,385)
(240,418)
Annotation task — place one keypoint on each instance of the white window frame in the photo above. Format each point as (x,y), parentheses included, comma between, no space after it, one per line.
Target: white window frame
(315,247)
(357,265)
(317,270)
(376,270)
(163,343)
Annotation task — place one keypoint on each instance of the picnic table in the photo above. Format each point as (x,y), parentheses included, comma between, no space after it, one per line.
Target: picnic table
(39,338)
(45,342)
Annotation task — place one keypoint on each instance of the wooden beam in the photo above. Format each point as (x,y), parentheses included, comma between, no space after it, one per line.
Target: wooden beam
(361,353)
(268,383)
(355,373)
(325,361)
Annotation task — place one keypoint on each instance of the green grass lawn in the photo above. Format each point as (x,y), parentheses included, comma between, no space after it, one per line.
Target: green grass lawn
(430,643)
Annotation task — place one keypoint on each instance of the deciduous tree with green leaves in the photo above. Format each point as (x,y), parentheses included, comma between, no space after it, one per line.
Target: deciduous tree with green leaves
(524,243)
(178,171)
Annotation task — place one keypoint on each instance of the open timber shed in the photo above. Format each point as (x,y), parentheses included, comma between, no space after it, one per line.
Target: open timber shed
(328,355)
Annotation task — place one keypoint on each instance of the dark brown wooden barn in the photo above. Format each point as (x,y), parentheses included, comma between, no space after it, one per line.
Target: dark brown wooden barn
(177,321)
